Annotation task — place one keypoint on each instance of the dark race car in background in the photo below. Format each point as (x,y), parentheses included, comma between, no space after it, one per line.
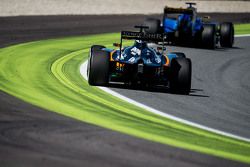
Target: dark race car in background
(185,27)
(146,62)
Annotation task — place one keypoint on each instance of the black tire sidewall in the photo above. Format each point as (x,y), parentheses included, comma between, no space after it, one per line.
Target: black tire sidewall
(153,24)
(98,74)
(208,36)
(181,73)
(226,34)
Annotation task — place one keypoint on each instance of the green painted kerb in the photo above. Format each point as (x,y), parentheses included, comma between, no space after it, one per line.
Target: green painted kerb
(46,74)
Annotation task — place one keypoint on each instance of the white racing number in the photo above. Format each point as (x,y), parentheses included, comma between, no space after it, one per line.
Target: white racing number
(135,51)
(131,60)
(157,59)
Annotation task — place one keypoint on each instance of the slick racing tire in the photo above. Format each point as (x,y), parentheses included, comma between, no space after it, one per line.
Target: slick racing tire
(181,72)
(208,36)
(226,35)
(98,67)
(153,25)
(93,48)
(96,47)
(179,54)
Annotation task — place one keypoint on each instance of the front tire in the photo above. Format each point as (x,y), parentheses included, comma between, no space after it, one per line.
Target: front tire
(98,66)
(226,35)
(208,36)
(153,25)
(181,72)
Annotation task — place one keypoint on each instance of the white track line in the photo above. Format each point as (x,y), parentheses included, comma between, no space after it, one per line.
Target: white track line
(246,35)
(83,71)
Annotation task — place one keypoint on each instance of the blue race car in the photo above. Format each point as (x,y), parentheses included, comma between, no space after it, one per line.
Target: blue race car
(145,63)
(184,27)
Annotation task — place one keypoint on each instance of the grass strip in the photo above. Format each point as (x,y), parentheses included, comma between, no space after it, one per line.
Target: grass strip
(241,29)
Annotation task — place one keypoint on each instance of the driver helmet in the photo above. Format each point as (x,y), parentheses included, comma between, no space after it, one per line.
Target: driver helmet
(140,44)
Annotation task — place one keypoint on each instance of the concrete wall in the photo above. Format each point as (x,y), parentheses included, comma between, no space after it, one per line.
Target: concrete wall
(83,7)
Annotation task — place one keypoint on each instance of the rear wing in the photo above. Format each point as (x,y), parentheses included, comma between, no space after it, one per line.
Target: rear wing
(154,37)
(142,35)
(169,10)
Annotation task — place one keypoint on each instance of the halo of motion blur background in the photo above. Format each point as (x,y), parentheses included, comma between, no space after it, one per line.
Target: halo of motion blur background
(97,7)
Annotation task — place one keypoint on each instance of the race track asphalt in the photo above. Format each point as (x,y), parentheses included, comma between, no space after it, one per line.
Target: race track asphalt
(220,91)
(30,136)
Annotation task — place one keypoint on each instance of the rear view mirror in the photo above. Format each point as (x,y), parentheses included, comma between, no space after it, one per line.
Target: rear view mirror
(116,44)
(206,18)
(162,48)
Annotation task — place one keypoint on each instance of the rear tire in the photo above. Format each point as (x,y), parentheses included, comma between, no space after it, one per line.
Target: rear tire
(96,47)
(208,36)
(226,35)
(153,24)
(93,48)
(98,66)
(181,72)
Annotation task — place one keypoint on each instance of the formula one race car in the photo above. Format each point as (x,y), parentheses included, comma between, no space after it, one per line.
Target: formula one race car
(184,27)
(144,63)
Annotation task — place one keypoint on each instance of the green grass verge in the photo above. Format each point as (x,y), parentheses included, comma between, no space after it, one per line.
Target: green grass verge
(242,29)
(46,74)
